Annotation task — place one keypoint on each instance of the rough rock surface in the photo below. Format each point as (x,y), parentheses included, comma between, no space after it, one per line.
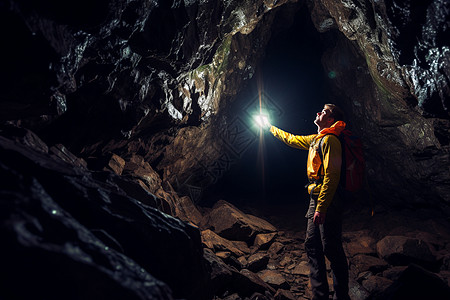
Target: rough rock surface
(388,62)
(155,78)
(401,250)
(58,215)
(229,222)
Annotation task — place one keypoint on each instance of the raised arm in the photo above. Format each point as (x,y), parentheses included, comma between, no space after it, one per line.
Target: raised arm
(296,141)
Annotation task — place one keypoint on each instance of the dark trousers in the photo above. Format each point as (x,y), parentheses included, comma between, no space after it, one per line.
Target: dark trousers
(326,240)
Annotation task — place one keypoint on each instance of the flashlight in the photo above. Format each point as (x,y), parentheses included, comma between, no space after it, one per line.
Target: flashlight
(262,121)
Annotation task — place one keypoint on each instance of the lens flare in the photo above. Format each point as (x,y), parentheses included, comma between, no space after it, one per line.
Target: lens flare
(261,116)
(332,74)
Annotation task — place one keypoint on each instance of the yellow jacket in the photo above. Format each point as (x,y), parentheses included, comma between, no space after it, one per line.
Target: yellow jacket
(332,160)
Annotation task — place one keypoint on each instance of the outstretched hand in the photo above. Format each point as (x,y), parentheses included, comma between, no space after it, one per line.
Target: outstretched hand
(319,218)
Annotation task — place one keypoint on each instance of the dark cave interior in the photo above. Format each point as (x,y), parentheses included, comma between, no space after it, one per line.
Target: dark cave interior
(294,81)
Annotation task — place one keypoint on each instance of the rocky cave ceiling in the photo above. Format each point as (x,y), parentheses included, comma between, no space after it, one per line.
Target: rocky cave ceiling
(156,79)
(157,90)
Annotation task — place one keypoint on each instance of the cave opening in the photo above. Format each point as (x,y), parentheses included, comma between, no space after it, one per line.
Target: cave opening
(294,86)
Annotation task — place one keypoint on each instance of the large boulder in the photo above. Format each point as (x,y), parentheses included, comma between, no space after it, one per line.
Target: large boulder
(250,282)
(48,254)
(87,230)
(221,274)
(376,285)
(362,263)
(358,242)
(258,261)
(401,250)
(274,278)
(417,283)
(231,223)
(217,243)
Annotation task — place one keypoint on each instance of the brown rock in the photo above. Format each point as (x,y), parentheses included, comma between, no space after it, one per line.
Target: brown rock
(243,261)
(257,261)
(394,272)
(242,246)
(286,260)
(358,242)
(137,167)
(186,210)
(284,295)
(275,249)
(223,254)
(231,223)
(376,285)
(263,240)
(180,207)
(116,164)
(249,283)
(362,263)
(401,250)
(217,243)
(356,290)
(274,279)
(301,269)
(166,201)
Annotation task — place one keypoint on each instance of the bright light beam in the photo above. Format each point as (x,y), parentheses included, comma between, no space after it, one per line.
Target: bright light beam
(259,120)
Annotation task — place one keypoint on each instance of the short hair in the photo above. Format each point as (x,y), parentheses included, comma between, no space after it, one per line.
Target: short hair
(336,112)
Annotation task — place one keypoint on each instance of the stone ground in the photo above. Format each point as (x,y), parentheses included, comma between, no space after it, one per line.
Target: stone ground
(370,275)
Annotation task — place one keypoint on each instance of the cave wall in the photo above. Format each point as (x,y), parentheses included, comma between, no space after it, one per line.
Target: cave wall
(137,76)
(153,78)
(392,75)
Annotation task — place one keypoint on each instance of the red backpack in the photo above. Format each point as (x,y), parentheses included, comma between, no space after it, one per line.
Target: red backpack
(353,164)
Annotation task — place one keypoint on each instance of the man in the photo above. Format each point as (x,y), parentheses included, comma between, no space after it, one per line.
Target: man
(324,229)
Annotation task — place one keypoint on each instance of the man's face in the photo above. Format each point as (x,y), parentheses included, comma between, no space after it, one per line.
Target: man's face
(323,118)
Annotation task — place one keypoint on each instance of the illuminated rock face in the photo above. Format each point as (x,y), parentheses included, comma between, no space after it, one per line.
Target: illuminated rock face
(154,77)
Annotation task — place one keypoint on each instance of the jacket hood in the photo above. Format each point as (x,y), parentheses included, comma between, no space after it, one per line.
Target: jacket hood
(335,129)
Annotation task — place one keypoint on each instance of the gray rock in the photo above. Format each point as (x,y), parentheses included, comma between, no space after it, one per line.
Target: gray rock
(401,250)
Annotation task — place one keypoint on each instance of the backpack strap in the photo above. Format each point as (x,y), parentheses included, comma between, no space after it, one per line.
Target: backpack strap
(319,181)
(321,145)
(342,177)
